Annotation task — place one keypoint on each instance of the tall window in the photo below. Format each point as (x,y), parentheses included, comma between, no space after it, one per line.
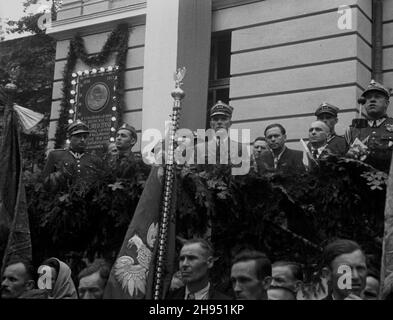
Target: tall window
(220,64)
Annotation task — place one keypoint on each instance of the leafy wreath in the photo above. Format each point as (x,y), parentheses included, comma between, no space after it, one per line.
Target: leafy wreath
(117,41)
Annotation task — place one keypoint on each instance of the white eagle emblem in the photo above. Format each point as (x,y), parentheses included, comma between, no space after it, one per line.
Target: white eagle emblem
(133,275)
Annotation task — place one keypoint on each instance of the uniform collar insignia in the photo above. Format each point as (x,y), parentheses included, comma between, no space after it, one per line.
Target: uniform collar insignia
(389,127)
(76,155)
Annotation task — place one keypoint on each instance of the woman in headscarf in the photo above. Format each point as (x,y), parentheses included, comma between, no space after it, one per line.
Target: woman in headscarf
(62,285)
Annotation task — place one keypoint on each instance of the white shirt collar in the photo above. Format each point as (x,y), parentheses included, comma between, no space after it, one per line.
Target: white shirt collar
(202,294)
(320,149)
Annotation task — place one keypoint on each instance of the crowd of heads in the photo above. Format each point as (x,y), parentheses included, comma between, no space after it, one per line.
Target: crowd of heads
(52,280)
(251,275)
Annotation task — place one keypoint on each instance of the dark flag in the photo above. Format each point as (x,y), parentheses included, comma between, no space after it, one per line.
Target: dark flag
(14,223)
(132,275)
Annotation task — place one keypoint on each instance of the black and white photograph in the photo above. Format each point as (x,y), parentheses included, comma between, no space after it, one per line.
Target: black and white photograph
(222,150)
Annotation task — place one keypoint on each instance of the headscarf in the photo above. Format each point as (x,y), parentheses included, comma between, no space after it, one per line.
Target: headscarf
(64,287)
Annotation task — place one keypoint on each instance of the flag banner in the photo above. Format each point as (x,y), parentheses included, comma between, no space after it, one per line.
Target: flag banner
(307,156)
(132,274)
(13,208)
(27,118)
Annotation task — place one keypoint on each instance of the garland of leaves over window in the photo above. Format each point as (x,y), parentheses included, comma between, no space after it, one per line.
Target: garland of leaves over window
(117,41)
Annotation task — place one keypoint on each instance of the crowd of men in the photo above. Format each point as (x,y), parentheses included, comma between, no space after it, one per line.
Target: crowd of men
(343,266)
(371,142)
(252,274)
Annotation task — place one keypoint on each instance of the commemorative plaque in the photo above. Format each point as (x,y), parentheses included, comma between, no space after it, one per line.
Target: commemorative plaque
(96,103)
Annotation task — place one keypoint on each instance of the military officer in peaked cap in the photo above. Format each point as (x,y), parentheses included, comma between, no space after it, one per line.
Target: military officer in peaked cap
(327,113)
(74,162)
(220,147)
(378,135)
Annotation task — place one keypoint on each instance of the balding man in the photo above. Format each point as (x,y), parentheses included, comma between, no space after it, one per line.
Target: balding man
(17,278)
(318,136)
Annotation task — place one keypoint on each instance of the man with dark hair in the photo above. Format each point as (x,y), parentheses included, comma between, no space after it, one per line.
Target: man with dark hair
(279,157)
(123,160)
(195,262)
(251,275)
(287,274)
(17,278)
(259,146)
(345,268)
(92,280)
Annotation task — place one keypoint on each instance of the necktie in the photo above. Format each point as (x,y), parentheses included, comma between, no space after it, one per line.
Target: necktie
(315,153)
(374,123)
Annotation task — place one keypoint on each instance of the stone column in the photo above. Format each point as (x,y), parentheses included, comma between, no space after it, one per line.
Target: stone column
(177,34)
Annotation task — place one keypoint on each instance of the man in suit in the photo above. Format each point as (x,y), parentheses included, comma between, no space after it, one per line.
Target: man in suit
(251,275)
(318,134)
(279,158)
(195,262)
(327,113)
(72,163)
(345,268)
(378,134)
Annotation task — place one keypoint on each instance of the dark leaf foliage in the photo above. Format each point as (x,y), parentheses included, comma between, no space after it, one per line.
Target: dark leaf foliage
(89,217)
(289,217)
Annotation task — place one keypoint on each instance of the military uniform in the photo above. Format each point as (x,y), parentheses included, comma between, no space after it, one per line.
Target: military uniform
(72,164)
(377,136)
(335,143)
(227,151)
(68,165)
(123,163)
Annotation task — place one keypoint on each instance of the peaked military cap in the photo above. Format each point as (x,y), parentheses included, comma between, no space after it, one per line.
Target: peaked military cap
(126,126)
(376,86)
(77,127)
(327,108)
(221,108)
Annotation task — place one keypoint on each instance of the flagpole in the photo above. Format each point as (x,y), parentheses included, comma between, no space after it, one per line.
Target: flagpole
(169,176)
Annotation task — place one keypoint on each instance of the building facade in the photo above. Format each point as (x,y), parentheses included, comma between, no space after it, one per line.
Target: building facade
(272,60)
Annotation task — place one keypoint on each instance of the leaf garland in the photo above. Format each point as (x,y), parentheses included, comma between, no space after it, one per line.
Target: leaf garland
(117,41)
